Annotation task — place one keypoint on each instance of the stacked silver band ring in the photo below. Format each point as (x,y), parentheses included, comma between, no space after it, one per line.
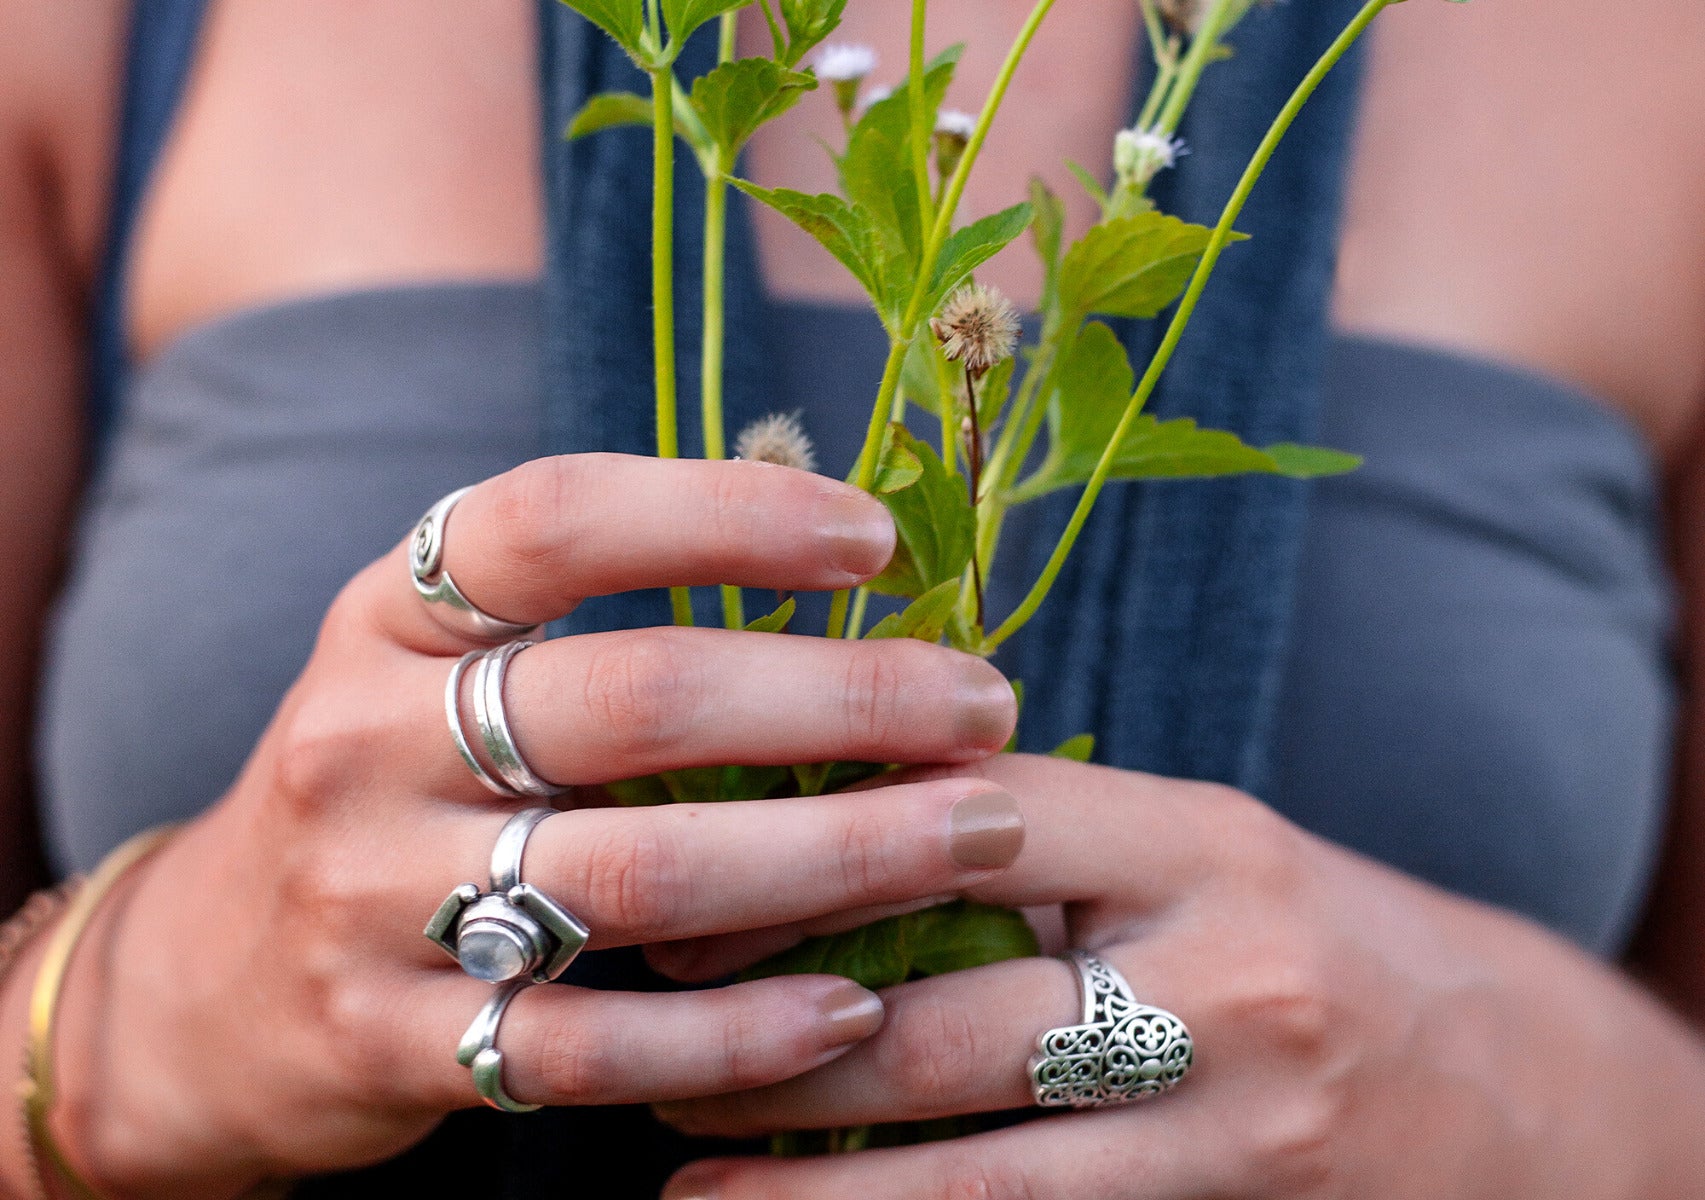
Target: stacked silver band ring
(513,931)
(479,1053)
(444,599)
(1121,1051)
(515,779)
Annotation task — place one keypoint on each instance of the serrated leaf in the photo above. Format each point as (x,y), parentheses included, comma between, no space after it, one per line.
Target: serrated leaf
(777,621)
(924,618)
(1130,267)
(1311,462)
(683,17)
(1076,749)
(623,20)
(808,23)
(898,468)
(842,229)
(936,525)
(874,956)
(737,98)
(969,248)
(965,934)
(609,110)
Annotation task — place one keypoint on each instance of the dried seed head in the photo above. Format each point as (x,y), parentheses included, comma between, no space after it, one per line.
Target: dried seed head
(978,327)
(1141,154)
(778,438)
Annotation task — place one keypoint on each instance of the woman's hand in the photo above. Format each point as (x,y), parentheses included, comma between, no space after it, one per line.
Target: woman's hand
(262,1000)
(1357,1034)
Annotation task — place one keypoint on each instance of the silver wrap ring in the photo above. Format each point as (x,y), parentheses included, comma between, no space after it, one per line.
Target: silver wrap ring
(479,1053)
(444,599)
(492,721)
(453,714)
(1121,1051)
(513,931)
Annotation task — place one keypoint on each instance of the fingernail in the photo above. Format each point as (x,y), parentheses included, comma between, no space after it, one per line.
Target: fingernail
(692,1183)
(857,532)
(987,831)
(986,708)
(850,1013)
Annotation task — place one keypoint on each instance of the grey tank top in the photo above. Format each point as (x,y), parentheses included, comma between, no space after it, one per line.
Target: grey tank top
(1479,690)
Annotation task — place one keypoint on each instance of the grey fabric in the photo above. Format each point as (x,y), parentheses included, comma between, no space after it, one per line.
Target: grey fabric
(1479,691)
(261,462)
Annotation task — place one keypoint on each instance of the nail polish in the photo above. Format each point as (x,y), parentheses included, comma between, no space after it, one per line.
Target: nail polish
(850,1014)
(986,831)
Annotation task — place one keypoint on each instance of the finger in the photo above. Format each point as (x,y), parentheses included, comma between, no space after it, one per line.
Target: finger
(529,545)
(1165,1151)
(603,707)
(692,870)
(564,1045)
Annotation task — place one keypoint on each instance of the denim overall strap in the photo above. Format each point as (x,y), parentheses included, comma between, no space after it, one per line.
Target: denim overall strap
(1167,631)
(159,49)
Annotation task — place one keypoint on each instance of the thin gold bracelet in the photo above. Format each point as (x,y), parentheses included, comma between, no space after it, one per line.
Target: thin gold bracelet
(37,1089)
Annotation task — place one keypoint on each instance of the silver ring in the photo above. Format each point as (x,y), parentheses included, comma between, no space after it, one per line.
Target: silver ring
(453,610)
(514,930)
(453,714)
(479,1053)
(492,721)
(1120,1052)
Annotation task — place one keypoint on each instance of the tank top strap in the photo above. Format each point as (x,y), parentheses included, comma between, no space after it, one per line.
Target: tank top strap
(159,51)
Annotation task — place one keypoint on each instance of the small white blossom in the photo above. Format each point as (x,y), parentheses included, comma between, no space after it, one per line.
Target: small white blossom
(845,63)
(874,96)
(1141,154)
(950,122)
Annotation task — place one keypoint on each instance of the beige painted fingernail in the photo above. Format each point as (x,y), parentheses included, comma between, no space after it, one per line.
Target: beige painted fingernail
(987,831)
(857,532)
(692,1183)
(850,1013)
(985,708)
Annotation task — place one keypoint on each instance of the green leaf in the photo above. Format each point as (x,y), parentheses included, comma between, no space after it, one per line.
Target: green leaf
(875,956)
(898,468)
(777,621)
(1178,449)
(936,524)
(646,792)
(702,785)
(1049,232)
(925,618)
(1092,386)
(808,23)
(841,228)
(1077,749)
(623,20)
(993,392)
(1311,462)
(737,98)
(969,248)
(1011,746)
(965,934)
(1089,182)
(1130,267)
(608,111)
(812,778)
(683,17)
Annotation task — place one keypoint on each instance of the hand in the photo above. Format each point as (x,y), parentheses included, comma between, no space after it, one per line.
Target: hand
(1358,1034)
(263,1002)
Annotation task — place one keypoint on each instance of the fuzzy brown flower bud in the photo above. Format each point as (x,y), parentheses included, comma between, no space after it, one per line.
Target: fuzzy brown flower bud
(778,438)
(977,327)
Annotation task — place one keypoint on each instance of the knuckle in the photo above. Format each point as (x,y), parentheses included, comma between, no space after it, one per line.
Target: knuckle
(929,1051)
(731,527)
(354,1018)
(317,746)
(533,506)
(869,859)
(577,1064)
(748,1048)
(1288,1007)
(638,882)
(640,690)
(1260,846)
(1292,1148)
(874,686)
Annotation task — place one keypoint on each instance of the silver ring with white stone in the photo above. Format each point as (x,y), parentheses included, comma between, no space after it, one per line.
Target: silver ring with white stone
(514,930)
(1120,1052)
(479,1053)
(492,721)
(453,610)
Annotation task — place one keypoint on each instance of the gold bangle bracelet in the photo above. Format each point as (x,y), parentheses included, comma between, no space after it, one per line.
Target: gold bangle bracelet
(38,1087)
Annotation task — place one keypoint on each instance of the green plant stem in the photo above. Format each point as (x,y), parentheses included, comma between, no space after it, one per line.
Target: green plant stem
(921,134)
(1181,318)
(663,285)
(861,602)
(1189,71)
(838,614)
(711,373)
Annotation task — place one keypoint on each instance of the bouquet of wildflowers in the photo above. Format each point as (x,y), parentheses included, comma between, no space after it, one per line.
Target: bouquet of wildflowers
(1073,418)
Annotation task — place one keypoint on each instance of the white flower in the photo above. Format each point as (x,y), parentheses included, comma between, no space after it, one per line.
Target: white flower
(950,122)
(845,63)
(874,96)
(1141,154)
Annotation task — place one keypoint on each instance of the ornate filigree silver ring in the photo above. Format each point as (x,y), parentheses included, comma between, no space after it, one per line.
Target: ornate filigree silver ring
(1120,1052)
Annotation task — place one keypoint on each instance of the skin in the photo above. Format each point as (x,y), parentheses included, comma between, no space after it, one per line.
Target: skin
(1314,980)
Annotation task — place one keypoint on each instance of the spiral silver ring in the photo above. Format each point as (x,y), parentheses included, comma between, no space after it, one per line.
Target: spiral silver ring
(513,930)
(479,1053)
(1121,1051)
(444,599)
